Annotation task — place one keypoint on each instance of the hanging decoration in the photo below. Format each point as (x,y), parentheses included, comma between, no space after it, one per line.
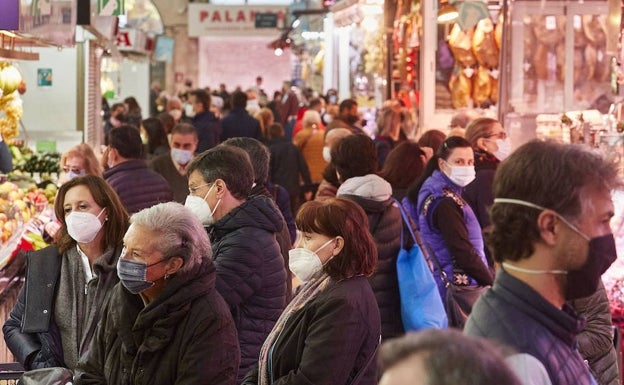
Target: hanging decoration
(10,102)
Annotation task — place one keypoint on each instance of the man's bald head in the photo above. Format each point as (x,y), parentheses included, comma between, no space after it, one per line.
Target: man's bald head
(333,136)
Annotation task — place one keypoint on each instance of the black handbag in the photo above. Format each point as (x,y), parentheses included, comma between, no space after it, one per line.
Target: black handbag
(459,299)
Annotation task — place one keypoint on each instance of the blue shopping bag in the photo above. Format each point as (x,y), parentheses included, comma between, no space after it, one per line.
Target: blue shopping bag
(421,304)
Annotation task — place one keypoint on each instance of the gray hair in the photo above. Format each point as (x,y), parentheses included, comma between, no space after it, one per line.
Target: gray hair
(179,233)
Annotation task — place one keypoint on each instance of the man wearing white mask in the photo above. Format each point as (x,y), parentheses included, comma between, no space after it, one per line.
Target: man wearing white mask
(251,274)
(172,166)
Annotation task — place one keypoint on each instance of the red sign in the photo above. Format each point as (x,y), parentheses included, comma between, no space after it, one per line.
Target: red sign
(207,19)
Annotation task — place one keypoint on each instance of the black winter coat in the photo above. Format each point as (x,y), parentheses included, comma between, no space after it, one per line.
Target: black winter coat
(208,129)
(479,194)
(251,274)
(138,187)
(185,336)
(385,225)
(288,166)
(329,340)
(238,123)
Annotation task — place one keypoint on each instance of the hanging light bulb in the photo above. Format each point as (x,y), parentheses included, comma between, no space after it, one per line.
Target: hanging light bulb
(447,13)
(278,51)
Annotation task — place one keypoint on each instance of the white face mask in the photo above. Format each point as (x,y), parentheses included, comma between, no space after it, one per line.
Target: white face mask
(189,111)
(180,156)
(201,208)
(176,114)
(504,149)
(461,175)
(327,154)
(83,227)
(305,263)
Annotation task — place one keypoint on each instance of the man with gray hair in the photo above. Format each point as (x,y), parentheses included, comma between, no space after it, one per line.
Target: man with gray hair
(166,319)
(552,238)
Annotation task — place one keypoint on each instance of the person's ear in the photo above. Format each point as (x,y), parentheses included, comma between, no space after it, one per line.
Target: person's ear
(481,144)
(221,187)
(547,223)
(174,264)
(338,245)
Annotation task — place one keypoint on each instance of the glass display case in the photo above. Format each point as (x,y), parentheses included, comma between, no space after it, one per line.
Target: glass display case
(557,57)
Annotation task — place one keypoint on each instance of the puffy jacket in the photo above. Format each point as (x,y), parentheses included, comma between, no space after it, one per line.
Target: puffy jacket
(184,336)
(138,187)
(385,225)
(596,340)
(437,187)
(513,314)
(251,274)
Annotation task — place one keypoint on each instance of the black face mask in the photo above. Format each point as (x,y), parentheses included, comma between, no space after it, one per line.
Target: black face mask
(584,281)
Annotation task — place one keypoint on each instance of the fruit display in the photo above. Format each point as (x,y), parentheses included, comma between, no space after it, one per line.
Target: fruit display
(27,161)
(19,206)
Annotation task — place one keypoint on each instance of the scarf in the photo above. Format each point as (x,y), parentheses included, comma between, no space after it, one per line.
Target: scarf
(309,291)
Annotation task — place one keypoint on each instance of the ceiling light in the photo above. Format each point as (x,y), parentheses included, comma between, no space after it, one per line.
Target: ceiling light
(447,13)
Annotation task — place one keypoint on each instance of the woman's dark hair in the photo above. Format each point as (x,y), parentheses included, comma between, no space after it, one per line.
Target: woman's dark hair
(341,217)
(354,155)
(444,152)
(117,218)
(432,139)
(404,164)
(156,136)
(132,103)
(276,130)
(167,121)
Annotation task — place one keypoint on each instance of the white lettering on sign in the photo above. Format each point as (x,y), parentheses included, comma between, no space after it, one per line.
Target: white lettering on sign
(207,19)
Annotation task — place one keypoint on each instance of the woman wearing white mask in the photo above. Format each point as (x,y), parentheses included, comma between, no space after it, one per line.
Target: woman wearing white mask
(491,145)
(330,331)
(68,283)
(448,226)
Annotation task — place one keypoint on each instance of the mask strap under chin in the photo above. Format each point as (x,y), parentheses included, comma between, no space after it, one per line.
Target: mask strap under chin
(532,271)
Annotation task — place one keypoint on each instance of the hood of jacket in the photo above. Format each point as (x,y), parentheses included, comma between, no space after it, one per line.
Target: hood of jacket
(371,186)
(257,211)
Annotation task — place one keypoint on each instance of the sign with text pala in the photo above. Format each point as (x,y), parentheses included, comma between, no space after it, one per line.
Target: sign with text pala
(228,20)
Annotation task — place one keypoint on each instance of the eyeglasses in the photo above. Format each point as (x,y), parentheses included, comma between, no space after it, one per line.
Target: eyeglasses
(193,190)
(74,170)
(498,135)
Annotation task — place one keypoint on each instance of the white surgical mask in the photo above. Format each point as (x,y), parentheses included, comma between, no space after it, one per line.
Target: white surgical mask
(83,226)
(461,175)
(180,156)
(201,208)
(176,114)
(504,149)
(327,154)
(305,263)
(189,111)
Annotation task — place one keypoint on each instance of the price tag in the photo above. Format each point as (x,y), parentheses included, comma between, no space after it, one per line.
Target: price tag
(551,23)
(578,24)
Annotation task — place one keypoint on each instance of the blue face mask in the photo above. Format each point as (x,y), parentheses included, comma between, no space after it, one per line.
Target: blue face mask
(133,275)
(71,175)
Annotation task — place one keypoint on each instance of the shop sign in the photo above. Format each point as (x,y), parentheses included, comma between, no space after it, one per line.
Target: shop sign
(110,7)
(9,17)
(210,20)
(130,39)
(164,49)
(266,20)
